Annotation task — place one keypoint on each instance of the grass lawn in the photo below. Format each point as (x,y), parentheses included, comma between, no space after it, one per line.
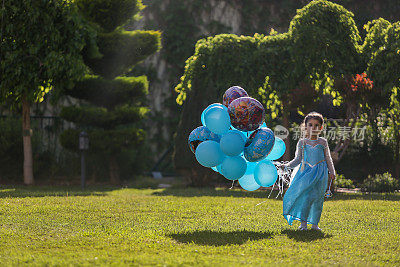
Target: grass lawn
(65,226)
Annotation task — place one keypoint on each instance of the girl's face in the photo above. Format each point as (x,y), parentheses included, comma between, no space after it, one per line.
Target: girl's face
(313,127)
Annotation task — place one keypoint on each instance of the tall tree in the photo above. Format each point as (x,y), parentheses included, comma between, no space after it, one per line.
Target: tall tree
(40,47)
(113,104)
(384,68)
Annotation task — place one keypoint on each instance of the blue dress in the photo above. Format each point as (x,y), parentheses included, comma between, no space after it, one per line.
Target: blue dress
(303,200)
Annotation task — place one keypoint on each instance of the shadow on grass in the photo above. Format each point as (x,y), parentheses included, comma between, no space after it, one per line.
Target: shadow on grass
(218,238)
(225,192)
(305,236)
(60,191)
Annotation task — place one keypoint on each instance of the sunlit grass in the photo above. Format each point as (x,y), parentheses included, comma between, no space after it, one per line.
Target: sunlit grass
(105,225)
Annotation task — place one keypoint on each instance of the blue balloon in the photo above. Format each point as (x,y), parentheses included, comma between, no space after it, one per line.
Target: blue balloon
(242,134)
(207,108)
(217,168)
(209,154)
(250,167)
(233,167)
(217,120)
(247,181)
(265,173)
(232,143)
(277,150)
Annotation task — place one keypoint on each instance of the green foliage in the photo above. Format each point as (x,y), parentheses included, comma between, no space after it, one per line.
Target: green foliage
(384,66)
(30,65)
(113,106)
(341,181)
(48,165)
(11,153)
(325,39)
(109,14)
(101,117)
(110,93)
(99,139)
(208,68)
(381,183)
(181,33)
(375,38)
(121,50)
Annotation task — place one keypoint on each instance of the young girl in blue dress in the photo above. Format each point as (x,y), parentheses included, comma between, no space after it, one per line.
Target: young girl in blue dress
(303,200)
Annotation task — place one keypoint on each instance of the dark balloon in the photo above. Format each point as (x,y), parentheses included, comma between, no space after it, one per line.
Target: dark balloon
(246,113)
(232,93)
(199,135)
(259,144)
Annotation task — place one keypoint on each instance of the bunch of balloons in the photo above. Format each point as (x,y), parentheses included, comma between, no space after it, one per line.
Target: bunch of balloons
(235,141)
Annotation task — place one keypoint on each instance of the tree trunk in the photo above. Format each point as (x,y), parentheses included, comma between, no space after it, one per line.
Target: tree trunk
(26,136)
(114,171)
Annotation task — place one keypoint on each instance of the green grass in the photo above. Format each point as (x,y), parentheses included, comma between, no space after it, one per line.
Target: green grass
(102,226)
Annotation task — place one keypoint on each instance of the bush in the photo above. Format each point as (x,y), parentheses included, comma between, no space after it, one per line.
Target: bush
(11,152)
(342,182)
(47,161)
(380,183)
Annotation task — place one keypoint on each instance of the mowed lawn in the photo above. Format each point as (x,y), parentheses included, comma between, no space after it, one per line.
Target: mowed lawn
(102,226)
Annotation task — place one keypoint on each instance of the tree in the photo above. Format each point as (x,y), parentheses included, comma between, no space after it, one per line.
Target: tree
(384,68)
(112,104)
(41,43)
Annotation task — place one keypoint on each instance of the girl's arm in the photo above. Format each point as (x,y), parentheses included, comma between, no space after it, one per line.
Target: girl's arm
(328,158)
(298,156)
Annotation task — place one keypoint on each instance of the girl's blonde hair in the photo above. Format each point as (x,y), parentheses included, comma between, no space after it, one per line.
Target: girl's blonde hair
(312,115)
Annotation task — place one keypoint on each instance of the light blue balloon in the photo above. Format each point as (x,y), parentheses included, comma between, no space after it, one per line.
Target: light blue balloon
(232,143)
(246,134)
(209,154)
(217,168)
(207,108)
(247,182)
(217,120)
(265,173)
(277,150)
(233,168)
(250,167)
(242,134)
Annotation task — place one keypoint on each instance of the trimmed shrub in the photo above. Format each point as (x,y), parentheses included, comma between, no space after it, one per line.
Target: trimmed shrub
(342,182)
(380,183)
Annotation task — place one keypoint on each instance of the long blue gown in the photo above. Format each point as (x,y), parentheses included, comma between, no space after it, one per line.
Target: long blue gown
(303,201)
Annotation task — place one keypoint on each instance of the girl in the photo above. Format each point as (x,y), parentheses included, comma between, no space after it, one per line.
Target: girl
(304,198)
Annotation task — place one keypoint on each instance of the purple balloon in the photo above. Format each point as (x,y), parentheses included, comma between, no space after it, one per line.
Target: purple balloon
(246,113)
(232,93)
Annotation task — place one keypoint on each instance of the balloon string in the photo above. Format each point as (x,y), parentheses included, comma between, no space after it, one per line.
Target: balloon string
(283,179)
(233,182)
(329,193)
